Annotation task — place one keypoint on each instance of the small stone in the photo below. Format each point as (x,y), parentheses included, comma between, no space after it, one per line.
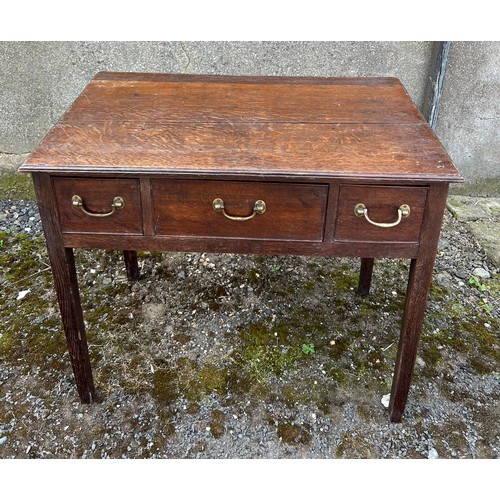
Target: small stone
(459,273)
(420,362)
(433,454)
(443,244)
(385,400)
(481,273)
(443,279)
(181,275)
(106,281)
(22,294)
(3,439)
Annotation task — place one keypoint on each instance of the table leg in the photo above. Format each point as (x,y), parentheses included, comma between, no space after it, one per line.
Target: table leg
(66,284)
(131,265)
(68,295)
(416,298)
(413,316)
(365,276)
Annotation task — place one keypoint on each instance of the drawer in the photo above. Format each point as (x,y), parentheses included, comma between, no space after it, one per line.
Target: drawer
(382,204)
(93,210)
(292,211)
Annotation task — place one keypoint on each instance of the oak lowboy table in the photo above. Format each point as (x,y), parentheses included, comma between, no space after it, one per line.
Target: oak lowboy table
(269,165)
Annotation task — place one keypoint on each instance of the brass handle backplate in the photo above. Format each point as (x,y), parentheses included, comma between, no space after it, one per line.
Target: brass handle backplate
(361,211)
(117,204)
(259,208)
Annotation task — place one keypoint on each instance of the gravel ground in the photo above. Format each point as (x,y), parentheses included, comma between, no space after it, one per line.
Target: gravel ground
(237,356)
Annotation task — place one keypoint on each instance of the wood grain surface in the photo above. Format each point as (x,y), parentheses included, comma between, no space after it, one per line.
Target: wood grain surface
(66,285)
(294,211)
(324,127)
(382,203)
(97,196)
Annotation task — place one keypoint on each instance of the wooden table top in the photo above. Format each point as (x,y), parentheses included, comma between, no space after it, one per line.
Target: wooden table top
(361,128)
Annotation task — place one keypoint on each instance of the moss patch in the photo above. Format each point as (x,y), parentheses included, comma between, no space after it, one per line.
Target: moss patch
(14,186)
(353,446)
(271,349)
(294,434)
(217,428)
(31,333)
(165,386)
(189,380)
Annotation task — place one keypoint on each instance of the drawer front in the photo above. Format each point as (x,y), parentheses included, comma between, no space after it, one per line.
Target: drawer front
(292,211)
(97,197)
(382,205)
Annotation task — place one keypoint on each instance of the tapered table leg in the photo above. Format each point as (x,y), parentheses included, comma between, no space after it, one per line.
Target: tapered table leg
(416,298)
(365,276)
(131,265)
(413,316)
(66,285)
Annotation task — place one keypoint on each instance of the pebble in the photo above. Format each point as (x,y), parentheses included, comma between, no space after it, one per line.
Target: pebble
(385,400)
(420,362)
(433,454)
(22,217)
(481,273)
(3,439)
(444,279)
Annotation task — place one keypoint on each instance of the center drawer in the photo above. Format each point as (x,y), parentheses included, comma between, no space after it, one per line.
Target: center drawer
(233,209)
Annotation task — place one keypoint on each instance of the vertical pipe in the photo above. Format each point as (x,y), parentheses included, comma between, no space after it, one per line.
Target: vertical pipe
(435,88)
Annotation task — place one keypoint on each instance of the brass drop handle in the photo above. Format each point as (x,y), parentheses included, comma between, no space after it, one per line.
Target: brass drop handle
(259,208)
(361,211)
(117,204)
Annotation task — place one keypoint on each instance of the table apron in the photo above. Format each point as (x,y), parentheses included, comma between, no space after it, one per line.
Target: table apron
(243,246)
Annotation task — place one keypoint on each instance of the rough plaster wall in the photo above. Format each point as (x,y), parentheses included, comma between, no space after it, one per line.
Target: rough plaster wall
(469,119)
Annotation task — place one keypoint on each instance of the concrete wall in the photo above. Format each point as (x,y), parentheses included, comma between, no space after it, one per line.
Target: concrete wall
(469,119)
(39,80)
